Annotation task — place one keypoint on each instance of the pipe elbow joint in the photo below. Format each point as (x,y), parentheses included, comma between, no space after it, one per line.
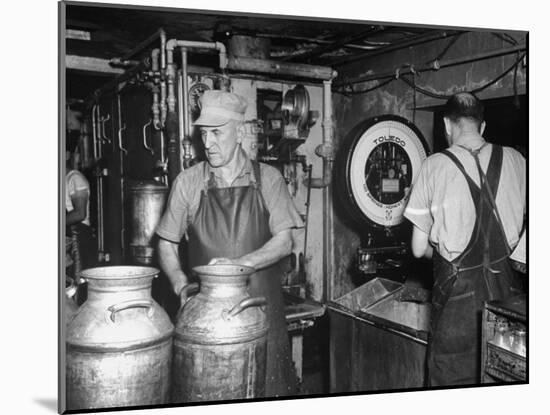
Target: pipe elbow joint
(325,151)
(171,45)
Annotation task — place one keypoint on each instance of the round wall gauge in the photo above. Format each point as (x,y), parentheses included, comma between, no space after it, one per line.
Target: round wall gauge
(378,162)
(195,92)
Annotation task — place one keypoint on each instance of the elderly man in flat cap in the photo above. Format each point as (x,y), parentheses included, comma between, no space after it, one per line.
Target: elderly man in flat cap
(234,210)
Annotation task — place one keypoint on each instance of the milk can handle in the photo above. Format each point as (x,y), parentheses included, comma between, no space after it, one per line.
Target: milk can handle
(243,305)
(112,310)
(187,289)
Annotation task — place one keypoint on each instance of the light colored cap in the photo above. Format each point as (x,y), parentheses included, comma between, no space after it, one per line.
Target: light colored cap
(219,107)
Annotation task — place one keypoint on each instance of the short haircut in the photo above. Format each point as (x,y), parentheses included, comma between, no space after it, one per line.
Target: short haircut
(464,105)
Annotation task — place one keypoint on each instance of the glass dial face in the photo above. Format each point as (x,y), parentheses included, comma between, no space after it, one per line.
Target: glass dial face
(383,165)
(195,92)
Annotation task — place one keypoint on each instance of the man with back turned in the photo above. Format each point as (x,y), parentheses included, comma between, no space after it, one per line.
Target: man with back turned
(467,207)
(233,210)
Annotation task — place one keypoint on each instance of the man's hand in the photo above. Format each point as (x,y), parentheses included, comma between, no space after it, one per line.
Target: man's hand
(186,291)
(223,261)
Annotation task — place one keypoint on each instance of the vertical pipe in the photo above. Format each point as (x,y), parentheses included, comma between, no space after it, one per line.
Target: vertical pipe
(163,108)
(180,117)
(187,130)
(94,132)
(170,82)
(100,223)
(155,89)
(327,192)
(187,127)
(163,158)
(121,159)
(163,59)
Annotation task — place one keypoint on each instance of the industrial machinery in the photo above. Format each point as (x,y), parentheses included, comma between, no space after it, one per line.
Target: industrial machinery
(376,165)
(285,126)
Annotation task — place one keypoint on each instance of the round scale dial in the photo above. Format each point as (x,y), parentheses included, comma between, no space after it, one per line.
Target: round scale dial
(383,157)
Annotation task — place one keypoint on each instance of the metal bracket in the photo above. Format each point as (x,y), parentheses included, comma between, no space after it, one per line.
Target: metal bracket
(103,136)
(122,128)
(145,137)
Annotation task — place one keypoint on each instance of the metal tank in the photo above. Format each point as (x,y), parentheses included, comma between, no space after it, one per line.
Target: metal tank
(146,204)
(119,344)
(220,339)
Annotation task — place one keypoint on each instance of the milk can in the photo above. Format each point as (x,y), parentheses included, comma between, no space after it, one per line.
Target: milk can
(220,339)
(147,200)
(119,344)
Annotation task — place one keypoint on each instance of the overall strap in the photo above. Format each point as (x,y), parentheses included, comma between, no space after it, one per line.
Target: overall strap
(474,188)
(490,181)
(475,193)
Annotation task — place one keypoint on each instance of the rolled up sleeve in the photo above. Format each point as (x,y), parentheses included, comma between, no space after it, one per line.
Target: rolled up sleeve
(173,223)
(282,211)
(418,207)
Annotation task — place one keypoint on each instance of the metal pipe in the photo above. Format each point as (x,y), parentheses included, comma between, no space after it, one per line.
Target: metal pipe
(435,65)
(155,107)
(416,40)
(163,107)
(147,147)
(121,161)
(185,109)
(170,80)
(328,243)
(325,150)
(319,50)
(121,63)
(280,68)
(188,44)
(163,159)
(94,131)
(184,75)
(162,50)
(371,44)
(103,121)
(184,137)
(155,53)
(180,108)
(99,191)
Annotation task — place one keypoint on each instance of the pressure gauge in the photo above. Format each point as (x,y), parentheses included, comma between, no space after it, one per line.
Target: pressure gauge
(195,92)
(376,166)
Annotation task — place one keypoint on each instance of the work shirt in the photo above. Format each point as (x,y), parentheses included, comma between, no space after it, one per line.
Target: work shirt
(75,181)
(185,196)
(441,205)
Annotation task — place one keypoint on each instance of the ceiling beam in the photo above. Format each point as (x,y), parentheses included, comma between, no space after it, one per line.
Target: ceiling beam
(90,64)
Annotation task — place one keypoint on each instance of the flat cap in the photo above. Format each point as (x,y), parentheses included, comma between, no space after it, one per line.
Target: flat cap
(219,107)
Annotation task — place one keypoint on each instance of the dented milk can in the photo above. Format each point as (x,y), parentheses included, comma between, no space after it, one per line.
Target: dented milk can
(220,339)
(119,343)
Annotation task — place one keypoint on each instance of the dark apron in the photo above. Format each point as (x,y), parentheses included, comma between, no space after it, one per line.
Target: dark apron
(232,222)
(480,273)
(83,254)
